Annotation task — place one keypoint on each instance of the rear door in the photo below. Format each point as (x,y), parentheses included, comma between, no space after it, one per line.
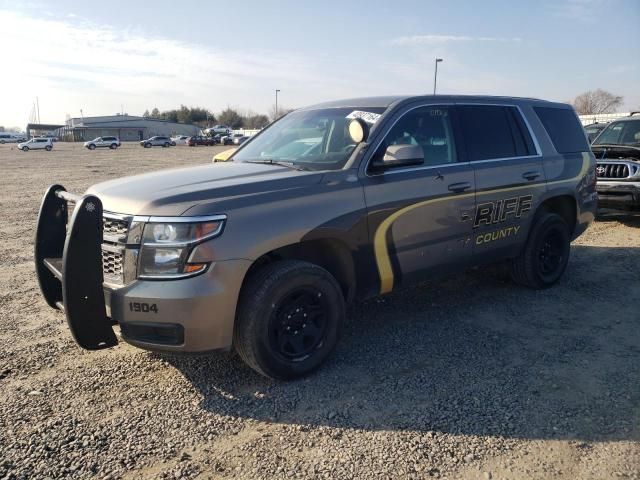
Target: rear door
(420,216)
(509,177)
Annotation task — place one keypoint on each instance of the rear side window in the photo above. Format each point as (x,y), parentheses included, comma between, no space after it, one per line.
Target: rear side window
(563,128)
(492,132)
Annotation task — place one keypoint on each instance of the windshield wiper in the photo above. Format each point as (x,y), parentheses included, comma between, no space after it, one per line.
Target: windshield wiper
(271,161)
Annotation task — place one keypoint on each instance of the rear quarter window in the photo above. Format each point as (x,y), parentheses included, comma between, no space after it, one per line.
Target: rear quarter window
(563,128)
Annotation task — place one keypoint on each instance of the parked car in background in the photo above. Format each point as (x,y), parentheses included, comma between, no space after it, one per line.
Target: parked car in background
(200,140)
(230,139)
(594,130)
(223,129)
(103,142)
(8,138)
(180,139)
(239,139)
(157,141)
(617,151)
(36,144)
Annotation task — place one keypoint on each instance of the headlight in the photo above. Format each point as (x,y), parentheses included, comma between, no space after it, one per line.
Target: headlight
(167,243)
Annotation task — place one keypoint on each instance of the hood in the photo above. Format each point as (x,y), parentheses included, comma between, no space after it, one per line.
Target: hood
(173,192)
(616,152)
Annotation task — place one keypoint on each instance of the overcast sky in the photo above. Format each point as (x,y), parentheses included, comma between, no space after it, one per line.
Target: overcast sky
(97,56)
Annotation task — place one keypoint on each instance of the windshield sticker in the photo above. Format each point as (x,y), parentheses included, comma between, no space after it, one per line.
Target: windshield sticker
(368,117)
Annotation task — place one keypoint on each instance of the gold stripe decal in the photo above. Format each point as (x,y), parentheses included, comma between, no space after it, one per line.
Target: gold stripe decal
(381,249)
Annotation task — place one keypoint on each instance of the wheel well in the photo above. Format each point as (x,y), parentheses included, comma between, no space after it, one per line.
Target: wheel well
(332,255)
(565,206)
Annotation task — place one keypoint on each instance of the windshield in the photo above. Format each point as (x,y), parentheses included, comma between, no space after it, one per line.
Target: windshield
(620,133)
(310,139)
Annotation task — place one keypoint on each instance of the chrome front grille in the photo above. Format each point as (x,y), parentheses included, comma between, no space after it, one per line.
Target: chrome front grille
(114,227)
(114,233)
(614,170)
(112,265)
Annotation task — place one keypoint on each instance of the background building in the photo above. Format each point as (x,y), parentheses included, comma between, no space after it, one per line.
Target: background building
(126,127)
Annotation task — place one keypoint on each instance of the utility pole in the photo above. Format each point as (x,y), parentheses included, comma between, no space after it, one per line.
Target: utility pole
(276,115)
(435,75)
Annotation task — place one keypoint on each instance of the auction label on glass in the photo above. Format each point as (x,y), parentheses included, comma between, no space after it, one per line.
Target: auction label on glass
(368,117)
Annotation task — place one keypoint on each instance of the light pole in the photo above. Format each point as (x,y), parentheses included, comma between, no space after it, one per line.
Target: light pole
(276,115)
(435,75)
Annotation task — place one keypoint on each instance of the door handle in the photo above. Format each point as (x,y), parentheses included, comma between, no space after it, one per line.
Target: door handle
(459,187)
(531,175)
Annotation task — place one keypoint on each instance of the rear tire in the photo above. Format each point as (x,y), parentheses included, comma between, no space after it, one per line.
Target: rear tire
(545,255)
(290,316)
(48,148)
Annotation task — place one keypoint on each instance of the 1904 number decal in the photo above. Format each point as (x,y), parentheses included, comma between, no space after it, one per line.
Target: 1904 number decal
(143,307)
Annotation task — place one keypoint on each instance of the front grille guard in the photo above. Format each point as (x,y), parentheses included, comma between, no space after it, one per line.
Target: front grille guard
(68,257)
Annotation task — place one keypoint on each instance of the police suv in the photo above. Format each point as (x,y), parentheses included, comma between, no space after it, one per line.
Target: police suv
(331,204)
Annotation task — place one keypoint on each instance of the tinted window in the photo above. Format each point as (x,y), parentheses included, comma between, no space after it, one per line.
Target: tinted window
(563,128)
(494,132)
(429,127)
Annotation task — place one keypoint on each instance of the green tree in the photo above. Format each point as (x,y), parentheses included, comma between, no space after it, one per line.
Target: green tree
(146,113)
(155,113)
(231,118)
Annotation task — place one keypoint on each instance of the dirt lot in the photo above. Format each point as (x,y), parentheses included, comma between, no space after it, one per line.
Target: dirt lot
(468,377)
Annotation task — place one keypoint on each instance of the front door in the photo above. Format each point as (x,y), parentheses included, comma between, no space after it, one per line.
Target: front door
(420,217)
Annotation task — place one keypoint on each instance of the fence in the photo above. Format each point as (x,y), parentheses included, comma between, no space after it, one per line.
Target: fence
(601,117)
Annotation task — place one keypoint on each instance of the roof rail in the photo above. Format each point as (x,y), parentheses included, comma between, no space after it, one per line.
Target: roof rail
(634,113)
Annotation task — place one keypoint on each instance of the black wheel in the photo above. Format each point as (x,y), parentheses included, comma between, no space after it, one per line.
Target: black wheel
(545,255)
(113,146)
(289,319)
(147,145)
(2,142)
(91,147)
(48,148)
(166,144)
(25,149)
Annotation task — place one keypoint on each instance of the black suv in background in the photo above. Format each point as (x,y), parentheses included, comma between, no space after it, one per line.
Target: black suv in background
(617,151)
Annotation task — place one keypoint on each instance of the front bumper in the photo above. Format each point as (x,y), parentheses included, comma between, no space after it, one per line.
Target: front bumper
(193,314)
(618,194)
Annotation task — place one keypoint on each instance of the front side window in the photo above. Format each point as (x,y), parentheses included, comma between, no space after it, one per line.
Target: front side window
(308,139)
(431,128)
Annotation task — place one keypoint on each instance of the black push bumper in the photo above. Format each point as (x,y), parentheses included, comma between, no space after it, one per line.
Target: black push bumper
(69,265)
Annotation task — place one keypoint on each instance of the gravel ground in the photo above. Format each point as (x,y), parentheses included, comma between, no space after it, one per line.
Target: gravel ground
(467,377)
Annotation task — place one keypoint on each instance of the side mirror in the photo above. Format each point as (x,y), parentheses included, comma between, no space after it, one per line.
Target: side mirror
(401,156)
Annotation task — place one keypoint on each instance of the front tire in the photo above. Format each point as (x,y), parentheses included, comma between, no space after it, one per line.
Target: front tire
(545,255)
(113,146)
(91,147)
(25,149)
(166,144)
(147,145)
(289,319)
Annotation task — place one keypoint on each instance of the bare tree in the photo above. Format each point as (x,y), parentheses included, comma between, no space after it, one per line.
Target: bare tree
(282,111)
(596,101)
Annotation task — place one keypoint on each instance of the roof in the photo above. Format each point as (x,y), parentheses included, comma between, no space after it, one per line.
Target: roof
(387,101)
